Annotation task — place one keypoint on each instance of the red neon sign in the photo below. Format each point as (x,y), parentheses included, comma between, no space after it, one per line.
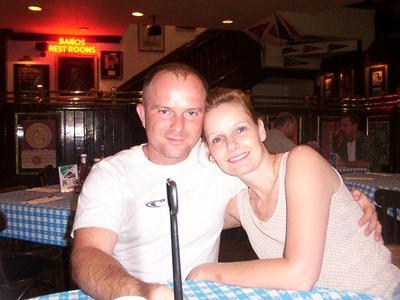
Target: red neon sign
(72,46)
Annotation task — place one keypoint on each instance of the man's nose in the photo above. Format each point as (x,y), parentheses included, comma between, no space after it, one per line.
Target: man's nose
(178,123)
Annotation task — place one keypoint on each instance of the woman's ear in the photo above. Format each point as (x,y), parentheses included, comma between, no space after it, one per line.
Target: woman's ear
(261,130)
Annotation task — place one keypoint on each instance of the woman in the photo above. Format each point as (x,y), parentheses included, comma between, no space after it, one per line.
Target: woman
(297,212)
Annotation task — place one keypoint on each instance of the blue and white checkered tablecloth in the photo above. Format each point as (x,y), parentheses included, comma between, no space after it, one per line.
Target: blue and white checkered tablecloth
(47,223)
(206,290)
(344,170)
(369,183)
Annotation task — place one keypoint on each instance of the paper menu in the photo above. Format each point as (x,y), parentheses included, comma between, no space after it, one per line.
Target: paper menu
(68,174)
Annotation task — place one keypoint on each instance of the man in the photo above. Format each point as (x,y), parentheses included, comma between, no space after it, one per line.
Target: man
(121,230)
(354,149)
(280,138)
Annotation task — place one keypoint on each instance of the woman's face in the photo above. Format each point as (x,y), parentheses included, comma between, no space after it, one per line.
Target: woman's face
(234,140)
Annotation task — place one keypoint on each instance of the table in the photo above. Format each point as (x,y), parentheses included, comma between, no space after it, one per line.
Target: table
(344,170)
(43,215)
(370,182)
(205,290)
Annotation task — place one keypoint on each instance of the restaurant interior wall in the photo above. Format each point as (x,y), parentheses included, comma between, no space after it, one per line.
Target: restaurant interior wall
(134,60)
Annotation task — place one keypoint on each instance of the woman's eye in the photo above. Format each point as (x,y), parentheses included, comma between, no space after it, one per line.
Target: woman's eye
(241,129)
(216,140)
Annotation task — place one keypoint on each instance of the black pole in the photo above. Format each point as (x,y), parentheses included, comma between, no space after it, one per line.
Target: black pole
(176,262)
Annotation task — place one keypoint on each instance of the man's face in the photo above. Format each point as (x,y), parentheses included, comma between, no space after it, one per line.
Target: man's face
(292,129)
(347,127)
(172,116)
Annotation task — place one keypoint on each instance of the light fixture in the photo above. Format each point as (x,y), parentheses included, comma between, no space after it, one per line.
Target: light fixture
(137,14)
(83,29)
(34,8)
(227,21)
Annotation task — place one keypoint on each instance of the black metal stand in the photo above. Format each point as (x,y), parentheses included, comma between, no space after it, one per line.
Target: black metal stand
(176,262)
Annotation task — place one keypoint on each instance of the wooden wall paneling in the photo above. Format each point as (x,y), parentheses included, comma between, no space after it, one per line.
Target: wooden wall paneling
(89,134)
(98,127)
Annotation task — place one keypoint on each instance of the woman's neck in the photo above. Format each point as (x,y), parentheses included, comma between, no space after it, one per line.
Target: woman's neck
(263,178)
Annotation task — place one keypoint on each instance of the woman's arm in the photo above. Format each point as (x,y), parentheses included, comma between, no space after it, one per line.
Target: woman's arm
(231,215)
(308,200)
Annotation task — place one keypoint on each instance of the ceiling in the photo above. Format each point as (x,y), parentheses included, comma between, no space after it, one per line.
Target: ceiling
(108,17)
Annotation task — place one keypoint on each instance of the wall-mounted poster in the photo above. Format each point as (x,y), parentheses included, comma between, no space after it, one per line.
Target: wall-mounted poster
(76,74)
(28,78)
(148,42)
(377,80)
(36,141)
(111,65)
(327,87)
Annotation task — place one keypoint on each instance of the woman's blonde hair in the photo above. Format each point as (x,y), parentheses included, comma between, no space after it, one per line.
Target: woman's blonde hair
(220,95)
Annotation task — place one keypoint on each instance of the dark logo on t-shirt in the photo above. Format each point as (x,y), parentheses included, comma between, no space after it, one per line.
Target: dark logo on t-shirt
(156,203)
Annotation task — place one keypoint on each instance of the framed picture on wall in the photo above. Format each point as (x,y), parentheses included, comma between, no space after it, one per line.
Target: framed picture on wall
(328,86)
(28,78)
(377,80)
(111,64)
(37,137)
(148,42)
(76,74)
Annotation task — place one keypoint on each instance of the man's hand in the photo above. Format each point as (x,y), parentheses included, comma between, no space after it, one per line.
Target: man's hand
(370,216)
(159,292)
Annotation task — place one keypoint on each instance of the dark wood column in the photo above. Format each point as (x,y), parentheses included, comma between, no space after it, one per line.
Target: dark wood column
(4,36)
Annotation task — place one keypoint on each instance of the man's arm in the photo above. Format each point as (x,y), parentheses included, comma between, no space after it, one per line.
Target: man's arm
(101,276)
(370,216)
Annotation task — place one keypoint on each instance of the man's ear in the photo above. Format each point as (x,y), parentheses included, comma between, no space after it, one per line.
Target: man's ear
(261,130)
(141,113)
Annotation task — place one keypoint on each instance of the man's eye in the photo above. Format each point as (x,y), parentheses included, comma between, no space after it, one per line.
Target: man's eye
(163,111)
(192,113)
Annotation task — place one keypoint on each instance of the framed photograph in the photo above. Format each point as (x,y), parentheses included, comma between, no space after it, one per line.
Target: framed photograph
(111,64)
(27,78)
(327,86)
(329,137)
(37,137)
(148,42)
(377,80)
(76,74)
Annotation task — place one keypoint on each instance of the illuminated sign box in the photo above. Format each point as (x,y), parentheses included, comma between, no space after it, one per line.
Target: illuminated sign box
(72,46)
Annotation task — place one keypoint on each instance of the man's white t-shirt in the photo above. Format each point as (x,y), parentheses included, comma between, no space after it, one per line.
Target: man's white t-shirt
(126,193)
(351,151)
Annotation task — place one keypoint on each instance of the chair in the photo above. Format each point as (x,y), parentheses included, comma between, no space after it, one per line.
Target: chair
(23,272)
(49,176)
(390,224)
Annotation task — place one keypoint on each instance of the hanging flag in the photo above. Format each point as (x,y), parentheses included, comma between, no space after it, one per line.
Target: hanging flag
(309,48)
(258,30)
(333,47)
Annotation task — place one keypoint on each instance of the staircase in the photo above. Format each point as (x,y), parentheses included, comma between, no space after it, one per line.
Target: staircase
(226,58)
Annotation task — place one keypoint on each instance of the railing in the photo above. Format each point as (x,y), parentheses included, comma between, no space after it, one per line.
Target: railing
(71,97)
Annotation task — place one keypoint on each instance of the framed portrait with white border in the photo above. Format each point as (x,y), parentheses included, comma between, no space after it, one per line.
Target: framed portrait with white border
(148,42)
